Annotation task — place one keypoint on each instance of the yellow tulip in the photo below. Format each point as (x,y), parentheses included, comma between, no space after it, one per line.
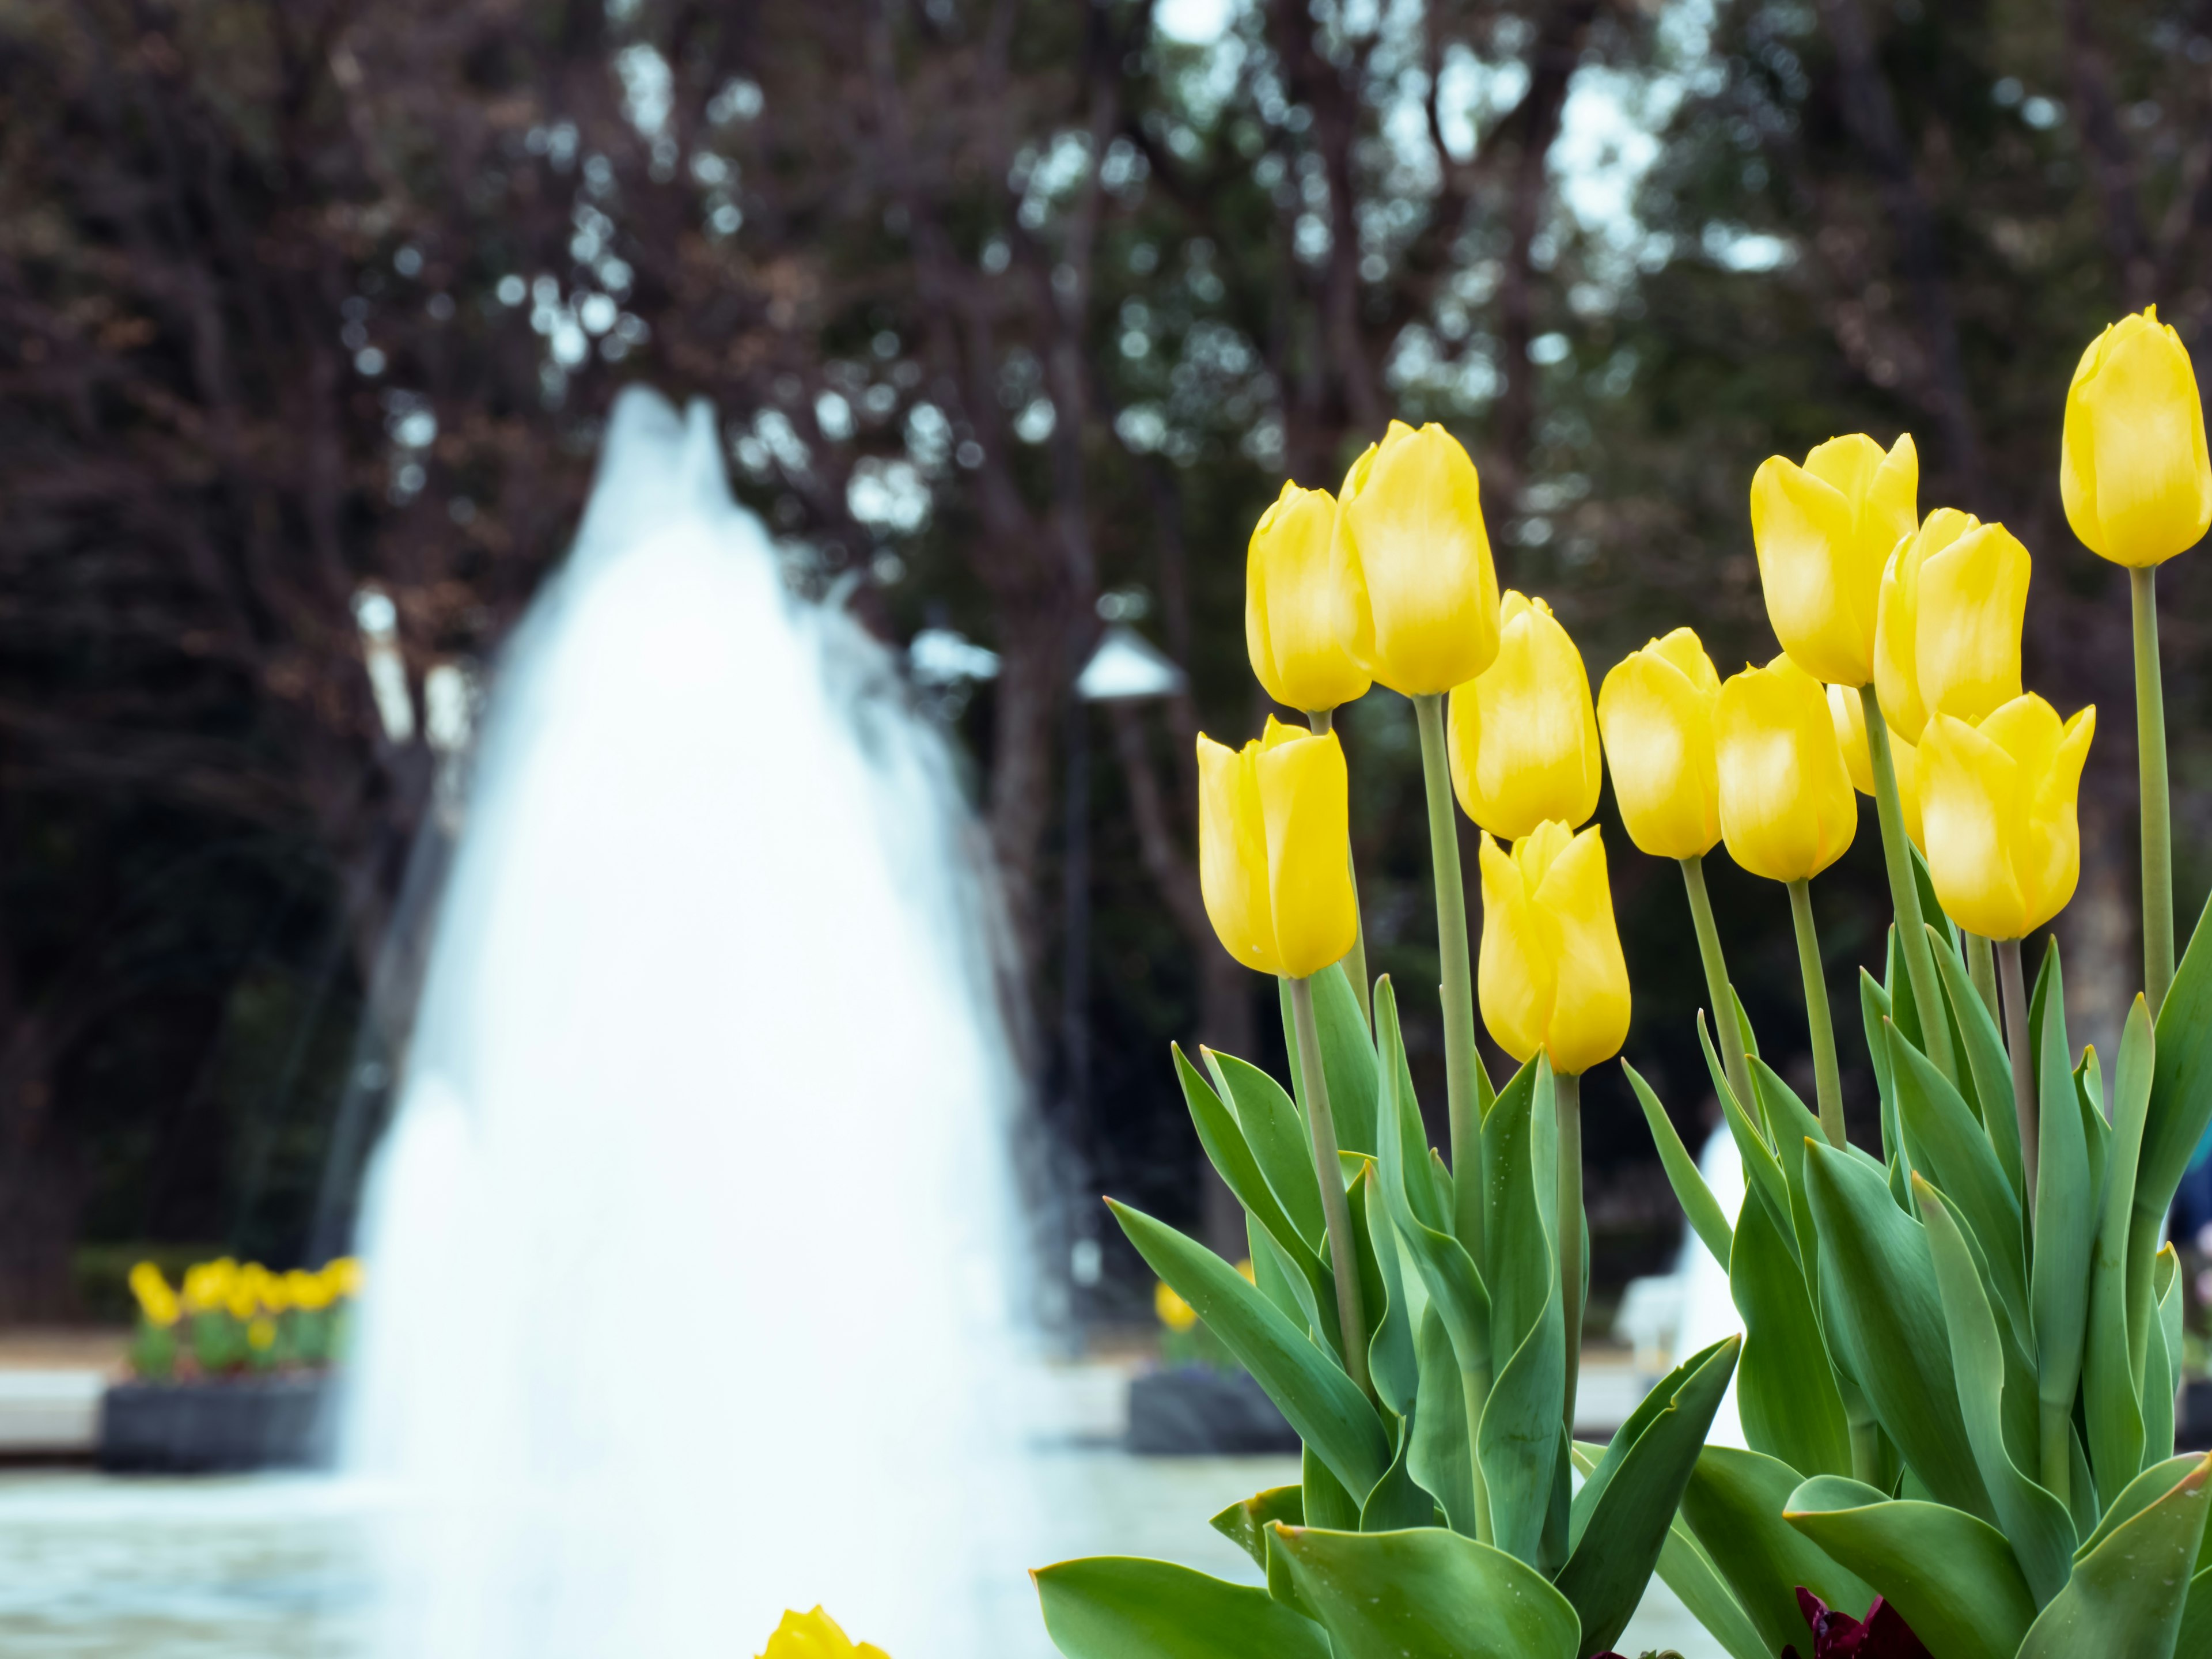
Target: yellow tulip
(1953,600)
(345,1273)
(1274,849)
(815,1636)
(1418,593)
(2132,468)
(1656,710)
(1823,531)
(310,1291)
(207,1283)
(1787,812)
(2004,845)
(1552,975)
(1848,714)
(1290,604)
(1522,738)
(156,1299)
(1175,1313)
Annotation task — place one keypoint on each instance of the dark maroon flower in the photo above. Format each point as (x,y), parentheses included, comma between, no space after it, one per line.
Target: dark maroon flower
(1883,1634)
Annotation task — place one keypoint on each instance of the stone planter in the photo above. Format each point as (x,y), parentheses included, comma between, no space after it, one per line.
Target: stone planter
(1192,1412)
(205,1428)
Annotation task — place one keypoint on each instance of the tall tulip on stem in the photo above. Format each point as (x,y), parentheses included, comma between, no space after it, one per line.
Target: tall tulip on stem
(2137,486)
(1657,711)
(1274,868)
(1290,632)
(1419,611)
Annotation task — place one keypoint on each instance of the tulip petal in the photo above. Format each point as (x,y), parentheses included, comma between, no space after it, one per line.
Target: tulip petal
(1232,855)
(1658,725)
(1787,809)
(1290,604)
(2133,471)
(1590,998)
(1972,599)
(1517,974)
(1524,742)
(2051,864)
(1305,798)
(1969,801)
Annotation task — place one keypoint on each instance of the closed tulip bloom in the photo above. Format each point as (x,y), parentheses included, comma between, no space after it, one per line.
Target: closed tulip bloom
(2132,468)
(1418,593)
(1523,737)
(2003,844)
(1787,812)
(1290,604)
(816,1635)
(1823,531)
(1848,715)
(1655,709)
(1953,602)
(1274,849)
(1552,975)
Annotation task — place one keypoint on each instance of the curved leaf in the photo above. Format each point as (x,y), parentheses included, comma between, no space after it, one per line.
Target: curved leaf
(1391,1361)
(1426,1593)
(2111,1377)
(1952,1577)
(1245,1524)
(2065,1212)
(1733,1506)
(1330,1414)
(1623,1511)
(1759,1164)
(1988,1066)
(1699,1206)
(1112,1607)
(1277,1135)
(2126,1596)
(1518,1440)
(1787,1395)
(2181,1085)
(1441,1457)
(1347,1058)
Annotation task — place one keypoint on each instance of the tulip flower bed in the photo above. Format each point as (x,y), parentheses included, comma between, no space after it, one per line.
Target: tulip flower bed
(228,1370)
(1957,1375)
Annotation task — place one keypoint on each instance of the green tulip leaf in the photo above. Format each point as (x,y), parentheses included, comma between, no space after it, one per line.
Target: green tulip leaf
(2138,1495)
(1621,1516)
(1988,1068)
(1885,1317)
(1951,1576)
(2041,1530)
(1391,1361)
(1874,1010)
(1687,1571)
(2181,1085)
(1759,1162)
(1330,1413)
(1518,1440)
(1426,1593)
(1348,1057)
(1706,1217)
(1245,1524)
(2162,1369)
(2111,1379)
(1111,1607)
(1786,1392)
(2065,1203)
(1398,1500)
(1277,1136)
(2126,1596)
(1733,1508)
(1441,1458)
(1273,1279)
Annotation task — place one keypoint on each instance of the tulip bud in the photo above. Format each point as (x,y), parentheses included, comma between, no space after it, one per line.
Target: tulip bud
(1552,975)
(1290,604)
(1418,593)
(1274,849)
(2132,468)
(1823,531)
(1656,710)
(1523,739)
(816,1635)
(1848,714)
(1948,641)
(156,1299)
(2004,847)
(1787,812)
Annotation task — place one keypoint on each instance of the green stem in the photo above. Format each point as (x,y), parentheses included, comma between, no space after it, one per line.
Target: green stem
(2058,1449)
(1567,1094)
(2012,976)
(1726,1028)
(1460,1059)
(1982,968)
(1320,720)
(2157,814)
(1475,1386)
(1343,1253)
(1905,892)
(1822,1027)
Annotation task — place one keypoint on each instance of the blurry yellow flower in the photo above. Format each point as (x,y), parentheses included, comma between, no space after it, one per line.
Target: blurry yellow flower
(1290,604)
(1656,710)
(1245,1268)
(1274,849)
(1823,531)
(156,1299)
(815,1636)
(261,1334)
(1413,574)
(1522,738)
(1175,1313)
(2132,468)
(1848,714)
(1552,975)
(345,1275)
(1787,812)
(2004,846)
(311,1292)
(1948,640)
(208,1285)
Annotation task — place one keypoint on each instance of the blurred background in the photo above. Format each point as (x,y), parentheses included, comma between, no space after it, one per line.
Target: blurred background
(1018,313)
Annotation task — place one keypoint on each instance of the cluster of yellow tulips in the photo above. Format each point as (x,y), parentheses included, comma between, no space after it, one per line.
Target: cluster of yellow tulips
(228,1316)
(816,1635)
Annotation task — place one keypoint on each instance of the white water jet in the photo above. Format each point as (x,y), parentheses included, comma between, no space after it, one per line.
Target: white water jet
(691,1247)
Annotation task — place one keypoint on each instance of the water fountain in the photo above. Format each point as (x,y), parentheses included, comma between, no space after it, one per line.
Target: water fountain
(690,1246)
